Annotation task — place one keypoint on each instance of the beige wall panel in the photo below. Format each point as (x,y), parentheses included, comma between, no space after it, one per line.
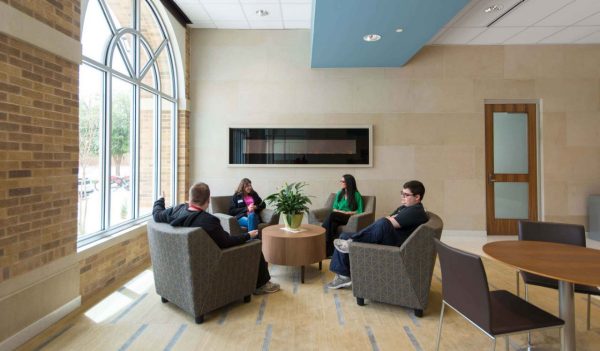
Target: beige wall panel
(446,95)
(427,117)
(503,89)
(30,304)
(472,62)
(574,95)
(427,63)
(554,128)
(453,162)
(555,195)
(583,129)
(582,62)
(526,62)
(577,196)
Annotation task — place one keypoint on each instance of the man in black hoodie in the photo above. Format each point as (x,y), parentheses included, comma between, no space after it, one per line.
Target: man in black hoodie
(193,214)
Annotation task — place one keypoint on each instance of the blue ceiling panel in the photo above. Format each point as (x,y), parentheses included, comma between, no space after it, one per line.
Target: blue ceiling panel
(339,26)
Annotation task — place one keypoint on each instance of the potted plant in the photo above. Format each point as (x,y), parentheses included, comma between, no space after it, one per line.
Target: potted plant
(290,201)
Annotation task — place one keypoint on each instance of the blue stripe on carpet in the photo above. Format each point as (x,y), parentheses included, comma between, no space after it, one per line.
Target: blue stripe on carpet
(175,337)
(372,340)
(411,315)
(261,310)
(267,340)
(133,337)
(129,308)
(223,316)
(297,279)
(338,308)
(412,338)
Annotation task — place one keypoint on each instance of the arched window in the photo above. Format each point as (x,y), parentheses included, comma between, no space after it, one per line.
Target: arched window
(127,115)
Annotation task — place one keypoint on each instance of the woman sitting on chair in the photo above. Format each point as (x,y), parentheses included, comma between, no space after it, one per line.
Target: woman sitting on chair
(245,205)
(347,202)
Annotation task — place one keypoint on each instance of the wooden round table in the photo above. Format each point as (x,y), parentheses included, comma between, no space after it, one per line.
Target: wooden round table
(287,248)
(568,264)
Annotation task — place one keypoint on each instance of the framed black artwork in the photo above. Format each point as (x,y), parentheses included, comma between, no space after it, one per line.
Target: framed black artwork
(301,146)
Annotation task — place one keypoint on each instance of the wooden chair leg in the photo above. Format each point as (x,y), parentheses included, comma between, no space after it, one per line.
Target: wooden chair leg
(360,301)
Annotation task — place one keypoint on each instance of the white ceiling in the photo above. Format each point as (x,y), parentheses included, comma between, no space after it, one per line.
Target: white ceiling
(241,14)
(530,22)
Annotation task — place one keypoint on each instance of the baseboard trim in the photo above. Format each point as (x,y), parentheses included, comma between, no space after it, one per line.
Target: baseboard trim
(40,325)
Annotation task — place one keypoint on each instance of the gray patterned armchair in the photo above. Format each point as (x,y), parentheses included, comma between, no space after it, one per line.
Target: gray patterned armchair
(220,208)
(397,275)
(192,272)
(355,223)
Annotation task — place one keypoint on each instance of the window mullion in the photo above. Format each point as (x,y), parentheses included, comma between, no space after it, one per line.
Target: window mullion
(157,143)
(153,58)
(174,152)
(109,20)
(106,154)
(135,146)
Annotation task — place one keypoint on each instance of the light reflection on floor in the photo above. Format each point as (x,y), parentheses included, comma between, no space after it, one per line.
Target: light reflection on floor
(119,300)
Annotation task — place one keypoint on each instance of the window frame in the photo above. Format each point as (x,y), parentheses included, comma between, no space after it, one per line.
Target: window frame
(137,74)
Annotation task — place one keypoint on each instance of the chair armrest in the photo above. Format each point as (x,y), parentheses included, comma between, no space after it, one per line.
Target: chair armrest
(229,223)
(359,221)
(418,252)
(317,216)
(368,258)
(269,216)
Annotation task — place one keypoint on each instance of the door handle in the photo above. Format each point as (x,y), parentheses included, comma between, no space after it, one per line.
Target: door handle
(491,178)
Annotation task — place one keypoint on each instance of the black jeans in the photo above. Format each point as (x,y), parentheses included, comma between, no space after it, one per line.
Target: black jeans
(331,224)
(379,232)
(263,272)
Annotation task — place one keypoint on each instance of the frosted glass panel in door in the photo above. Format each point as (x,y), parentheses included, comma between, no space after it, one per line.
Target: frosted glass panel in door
(511,200)
(510,143)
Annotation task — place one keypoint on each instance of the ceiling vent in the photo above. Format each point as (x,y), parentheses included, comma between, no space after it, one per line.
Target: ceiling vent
(506,12)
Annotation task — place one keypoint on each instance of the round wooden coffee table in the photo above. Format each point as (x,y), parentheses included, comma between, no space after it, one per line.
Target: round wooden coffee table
(294,249)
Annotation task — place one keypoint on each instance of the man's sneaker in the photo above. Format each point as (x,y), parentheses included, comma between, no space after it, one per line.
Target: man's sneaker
(267,289)
(339,281)
(342,245)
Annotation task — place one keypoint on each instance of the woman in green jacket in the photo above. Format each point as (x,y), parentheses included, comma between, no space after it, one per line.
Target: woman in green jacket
(347,202)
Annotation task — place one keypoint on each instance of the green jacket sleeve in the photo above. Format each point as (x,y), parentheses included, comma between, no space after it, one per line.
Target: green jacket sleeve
(359,202)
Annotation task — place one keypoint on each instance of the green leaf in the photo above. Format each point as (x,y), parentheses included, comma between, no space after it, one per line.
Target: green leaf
(290,199)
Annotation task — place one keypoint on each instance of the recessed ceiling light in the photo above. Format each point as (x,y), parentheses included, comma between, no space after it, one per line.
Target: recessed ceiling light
(493,8)
(262,13)
(372,37)
(399,30)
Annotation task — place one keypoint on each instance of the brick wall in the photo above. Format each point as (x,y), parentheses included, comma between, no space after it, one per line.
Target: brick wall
(39,147)
(183,156)
(104,268)
(39,157)
(62,15)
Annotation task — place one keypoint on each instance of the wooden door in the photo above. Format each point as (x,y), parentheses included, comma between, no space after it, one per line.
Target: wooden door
(511,166)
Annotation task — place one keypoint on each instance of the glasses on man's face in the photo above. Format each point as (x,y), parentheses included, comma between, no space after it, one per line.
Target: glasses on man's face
(407,194)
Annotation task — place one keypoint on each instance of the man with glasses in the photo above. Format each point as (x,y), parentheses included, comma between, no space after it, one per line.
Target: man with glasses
(392,230)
